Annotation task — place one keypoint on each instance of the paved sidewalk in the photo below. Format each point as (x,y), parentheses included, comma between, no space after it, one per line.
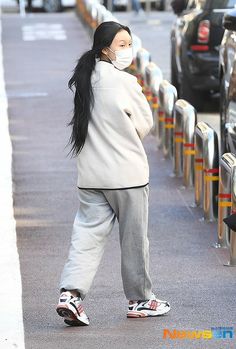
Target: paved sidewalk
(11,328)
(185,269)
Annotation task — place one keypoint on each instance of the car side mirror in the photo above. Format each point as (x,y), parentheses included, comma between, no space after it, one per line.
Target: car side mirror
(178,6)
(229,20)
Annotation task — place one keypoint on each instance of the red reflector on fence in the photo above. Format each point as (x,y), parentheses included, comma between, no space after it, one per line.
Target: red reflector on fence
(211,170)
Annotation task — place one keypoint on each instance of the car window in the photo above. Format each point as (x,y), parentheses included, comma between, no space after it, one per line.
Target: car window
(223,3)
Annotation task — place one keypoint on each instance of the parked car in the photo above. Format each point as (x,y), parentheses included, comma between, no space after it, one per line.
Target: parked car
(49,5)
(157,4)
(195,41)
(227,65)
(57,5)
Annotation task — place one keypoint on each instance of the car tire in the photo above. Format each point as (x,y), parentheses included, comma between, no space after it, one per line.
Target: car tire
(52,6)
(194,97)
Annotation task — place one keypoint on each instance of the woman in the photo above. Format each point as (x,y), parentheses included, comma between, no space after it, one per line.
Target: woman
(111,117)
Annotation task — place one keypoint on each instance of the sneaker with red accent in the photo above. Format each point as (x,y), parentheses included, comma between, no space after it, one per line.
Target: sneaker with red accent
(70,308)
(151,307)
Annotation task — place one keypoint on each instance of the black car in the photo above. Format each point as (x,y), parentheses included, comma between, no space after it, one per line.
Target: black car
(227,66)
(195,42)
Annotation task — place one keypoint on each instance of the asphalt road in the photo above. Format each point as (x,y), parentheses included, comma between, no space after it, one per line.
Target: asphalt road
(185,269)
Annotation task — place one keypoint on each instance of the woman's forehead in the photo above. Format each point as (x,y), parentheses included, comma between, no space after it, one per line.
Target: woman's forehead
(122,35)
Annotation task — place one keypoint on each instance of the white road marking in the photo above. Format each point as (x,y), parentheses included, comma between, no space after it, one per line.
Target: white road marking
(11,323)
(26,94)
(43,31)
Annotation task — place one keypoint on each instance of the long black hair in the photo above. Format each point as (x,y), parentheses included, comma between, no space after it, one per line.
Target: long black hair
(81,81)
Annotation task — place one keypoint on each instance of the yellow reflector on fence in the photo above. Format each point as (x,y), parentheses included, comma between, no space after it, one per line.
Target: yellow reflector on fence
(179,140)
(211,178)
(225,204)
(189,152)
(198,168)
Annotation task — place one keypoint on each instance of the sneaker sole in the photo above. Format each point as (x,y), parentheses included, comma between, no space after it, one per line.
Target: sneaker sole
(139,314)
(74,323)
(69,317)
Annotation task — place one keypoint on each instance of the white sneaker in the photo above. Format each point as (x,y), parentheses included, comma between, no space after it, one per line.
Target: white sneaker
(70,308)
(151,307)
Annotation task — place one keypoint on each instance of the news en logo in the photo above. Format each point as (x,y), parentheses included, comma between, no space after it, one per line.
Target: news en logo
(213,333)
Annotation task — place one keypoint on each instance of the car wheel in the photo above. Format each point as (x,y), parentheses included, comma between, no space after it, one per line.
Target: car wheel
(194,97)
(52,5)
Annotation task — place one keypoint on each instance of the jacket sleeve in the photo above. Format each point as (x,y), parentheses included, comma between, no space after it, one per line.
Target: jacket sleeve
(138,108)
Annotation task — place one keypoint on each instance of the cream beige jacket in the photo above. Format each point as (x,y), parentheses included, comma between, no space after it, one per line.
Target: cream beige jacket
(113,156)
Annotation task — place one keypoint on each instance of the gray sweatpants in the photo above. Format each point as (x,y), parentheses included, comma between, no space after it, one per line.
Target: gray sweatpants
(93,223)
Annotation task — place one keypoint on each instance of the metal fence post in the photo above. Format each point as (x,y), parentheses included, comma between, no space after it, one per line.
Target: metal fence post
(142,60)
(178,137)
(184,126)
(232,260)
(190,119)
(153,78)
(136,45)
(167,98)
(161,115)
(227,164)
(148,81)
(206,170)
(198,168)
(211,174)
(160,118)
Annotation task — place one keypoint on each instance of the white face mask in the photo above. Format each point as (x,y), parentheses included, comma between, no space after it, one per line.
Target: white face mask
(123,58)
